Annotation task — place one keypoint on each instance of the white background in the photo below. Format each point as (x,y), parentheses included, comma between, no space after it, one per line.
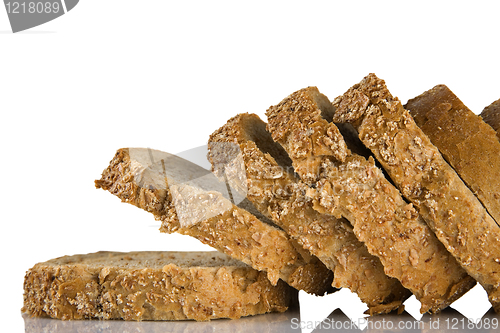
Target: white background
(165,74)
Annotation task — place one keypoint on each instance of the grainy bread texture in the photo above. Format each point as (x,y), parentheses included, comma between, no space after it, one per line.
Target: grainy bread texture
(466,142)
(151,286)
(235,231)
(491,116)
(298,124)
(346,184)
(415,165)
(278,194)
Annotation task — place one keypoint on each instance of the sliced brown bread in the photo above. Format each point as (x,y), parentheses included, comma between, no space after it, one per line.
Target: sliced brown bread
(491,116)
(349,185)
(466,142)
(415,165)
(278,194)
(211,218)
(298,124)
(151,286)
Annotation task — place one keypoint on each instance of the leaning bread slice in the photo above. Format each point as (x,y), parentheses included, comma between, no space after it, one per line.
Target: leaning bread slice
(163,185)
(278,194)
(491,115)
(466,142)
(415,165)
(151,286)
(349,185)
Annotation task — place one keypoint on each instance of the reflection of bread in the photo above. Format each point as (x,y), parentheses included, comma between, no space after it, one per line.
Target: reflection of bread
(151,286)
(415,165)
(235,232)
(491,115)
(467,143)
(346,184)
(270,323)
(279,194)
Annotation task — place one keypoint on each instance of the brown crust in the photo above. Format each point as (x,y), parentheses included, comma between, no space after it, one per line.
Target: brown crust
(415,165)
(392,230)
(304,132)
(150,286)
(466,142)
(353,187)
(235,232)
(280,195)
(491,116)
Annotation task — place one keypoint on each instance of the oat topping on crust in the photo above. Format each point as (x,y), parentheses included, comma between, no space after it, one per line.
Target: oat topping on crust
(151,286)
(349,185)
(283,199)
(235,232)
(417,168)
(466,142)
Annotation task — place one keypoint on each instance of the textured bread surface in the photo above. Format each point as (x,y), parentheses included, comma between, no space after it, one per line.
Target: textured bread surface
(299,124)
(466,142)
(349,185)
(278,194)
(235,232)
(491,116)
(151,286)
(415,165)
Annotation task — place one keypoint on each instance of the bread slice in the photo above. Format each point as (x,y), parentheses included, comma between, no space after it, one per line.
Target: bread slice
(349,185)
(278,194)
(491,116)
(466,142)
(209,217)
(415,165)
(151,286)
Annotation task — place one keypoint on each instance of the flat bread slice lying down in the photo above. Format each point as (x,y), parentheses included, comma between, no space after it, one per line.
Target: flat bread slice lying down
(466,142)
(279,194)
(417,168)
(151,286)
(345,184)
(491,116)
(179,194)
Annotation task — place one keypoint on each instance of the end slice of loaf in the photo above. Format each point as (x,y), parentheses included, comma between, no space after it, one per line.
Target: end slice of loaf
(466,142)
(151,286)
(349,185)
(233,231)
(415,165)
(491,116)
(278,194)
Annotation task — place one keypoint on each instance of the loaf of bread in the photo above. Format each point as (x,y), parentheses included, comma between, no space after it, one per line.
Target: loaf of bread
(302,204)
(277,193)
(416,166)
(347,184)
(151,286)
(491,116)
(134,178)
(466,142)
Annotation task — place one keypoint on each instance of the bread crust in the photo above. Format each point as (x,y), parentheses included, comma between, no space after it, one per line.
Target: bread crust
(415,165)
(235,232)
(151,286)
(491,116)
(466,142)
(349,185)
(278,194)
(298,125)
